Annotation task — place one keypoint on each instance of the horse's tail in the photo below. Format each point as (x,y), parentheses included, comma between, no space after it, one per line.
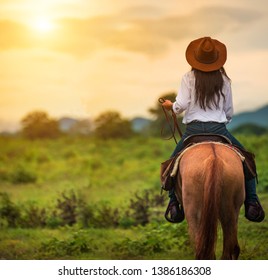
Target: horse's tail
(207,236)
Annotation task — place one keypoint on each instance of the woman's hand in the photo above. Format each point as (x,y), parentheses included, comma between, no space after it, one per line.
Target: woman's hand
(167,105)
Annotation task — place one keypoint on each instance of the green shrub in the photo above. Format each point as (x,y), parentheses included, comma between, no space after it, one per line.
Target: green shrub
(9,212)
(86,214)
(34,217)
(77,244)
(140,207)
(54,221)
(67,208)
(23,176)
(155,239)
(126,221)
(106,217)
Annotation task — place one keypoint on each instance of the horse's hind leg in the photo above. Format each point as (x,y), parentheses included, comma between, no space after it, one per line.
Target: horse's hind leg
(231,249)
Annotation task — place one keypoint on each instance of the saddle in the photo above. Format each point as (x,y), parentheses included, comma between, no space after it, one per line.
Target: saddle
(168,175)
(199,138)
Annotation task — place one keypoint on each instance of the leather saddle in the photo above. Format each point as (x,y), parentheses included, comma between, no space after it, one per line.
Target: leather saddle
(167,166)
(206,137)
(249,164)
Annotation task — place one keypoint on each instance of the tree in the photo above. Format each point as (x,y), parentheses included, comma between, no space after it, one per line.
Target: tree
(38,124)
(111,125)
(159,122)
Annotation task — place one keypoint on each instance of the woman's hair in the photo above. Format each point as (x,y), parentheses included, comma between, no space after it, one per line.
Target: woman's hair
(208,87)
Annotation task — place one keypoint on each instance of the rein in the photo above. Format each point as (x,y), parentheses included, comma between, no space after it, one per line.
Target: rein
(172,122)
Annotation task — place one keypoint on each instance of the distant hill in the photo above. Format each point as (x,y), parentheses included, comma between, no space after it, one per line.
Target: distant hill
(139,123)
(75,126)
(252,129)
(251,121)
(66,123)
(258,117)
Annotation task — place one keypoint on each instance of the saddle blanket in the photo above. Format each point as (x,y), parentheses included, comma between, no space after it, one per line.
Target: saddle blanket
(177,161)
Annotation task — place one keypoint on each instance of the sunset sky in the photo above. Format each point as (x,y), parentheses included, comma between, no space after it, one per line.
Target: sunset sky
(80,58)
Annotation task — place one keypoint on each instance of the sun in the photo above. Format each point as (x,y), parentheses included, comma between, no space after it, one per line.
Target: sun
(43,25)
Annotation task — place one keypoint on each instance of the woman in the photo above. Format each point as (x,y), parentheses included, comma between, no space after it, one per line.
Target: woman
(206,97)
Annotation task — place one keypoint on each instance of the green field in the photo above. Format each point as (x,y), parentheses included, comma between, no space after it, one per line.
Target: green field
(83,198)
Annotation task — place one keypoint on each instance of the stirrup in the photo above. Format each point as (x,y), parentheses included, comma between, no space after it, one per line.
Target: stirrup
(177,216)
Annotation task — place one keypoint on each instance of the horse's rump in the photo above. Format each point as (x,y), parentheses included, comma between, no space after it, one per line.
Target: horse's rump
(212,185)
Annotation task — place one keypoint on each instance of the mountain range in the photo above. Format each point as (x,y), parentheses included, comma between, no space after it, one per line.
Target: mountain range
(258,117)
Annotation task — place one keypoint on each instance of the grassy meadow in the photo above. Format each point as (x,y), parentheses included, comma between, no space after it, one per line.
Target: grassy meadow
(85,198)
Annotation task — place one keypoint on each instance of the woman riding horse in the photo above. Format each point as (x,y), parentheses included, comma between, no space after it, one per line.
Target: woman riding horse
(206,97)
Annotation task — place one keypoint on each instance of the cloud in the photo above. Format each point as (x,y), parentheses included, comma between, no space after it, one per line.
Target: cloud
(13,35)
(139,29)
(142,11)
(132,31)
(204,21)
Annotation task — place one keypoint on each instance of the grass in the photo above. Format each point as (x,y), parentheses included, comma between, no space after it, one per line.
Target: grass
(105,173)
(153,241)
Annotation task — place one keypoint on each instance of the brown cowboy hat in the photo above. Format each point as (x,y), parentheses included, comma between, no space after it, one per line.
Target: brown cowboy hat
(206,54)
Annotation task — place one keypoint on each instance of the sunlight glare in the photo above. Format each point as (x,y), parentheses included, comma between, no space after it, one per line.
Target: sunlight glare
(43,25)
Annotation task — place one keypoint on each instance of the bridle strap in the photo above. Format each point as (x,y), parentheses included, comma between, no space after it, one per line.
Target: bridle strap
(172,123)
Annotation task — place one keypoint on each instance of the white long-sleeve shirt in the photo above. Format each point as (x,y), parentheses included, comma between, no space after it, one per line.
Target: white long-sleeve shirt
(185,101)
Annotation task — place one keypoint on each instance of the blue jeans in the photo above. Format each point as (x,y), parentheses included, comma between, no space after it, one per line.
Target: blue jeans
(214,128)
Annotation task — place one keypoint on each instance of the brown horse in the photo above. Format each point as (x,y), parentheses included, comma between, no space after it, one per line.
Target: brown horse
(212,184)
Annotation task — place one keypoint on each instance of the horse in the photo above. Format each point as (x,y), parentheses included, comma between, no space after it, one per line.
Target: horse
(211,184)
